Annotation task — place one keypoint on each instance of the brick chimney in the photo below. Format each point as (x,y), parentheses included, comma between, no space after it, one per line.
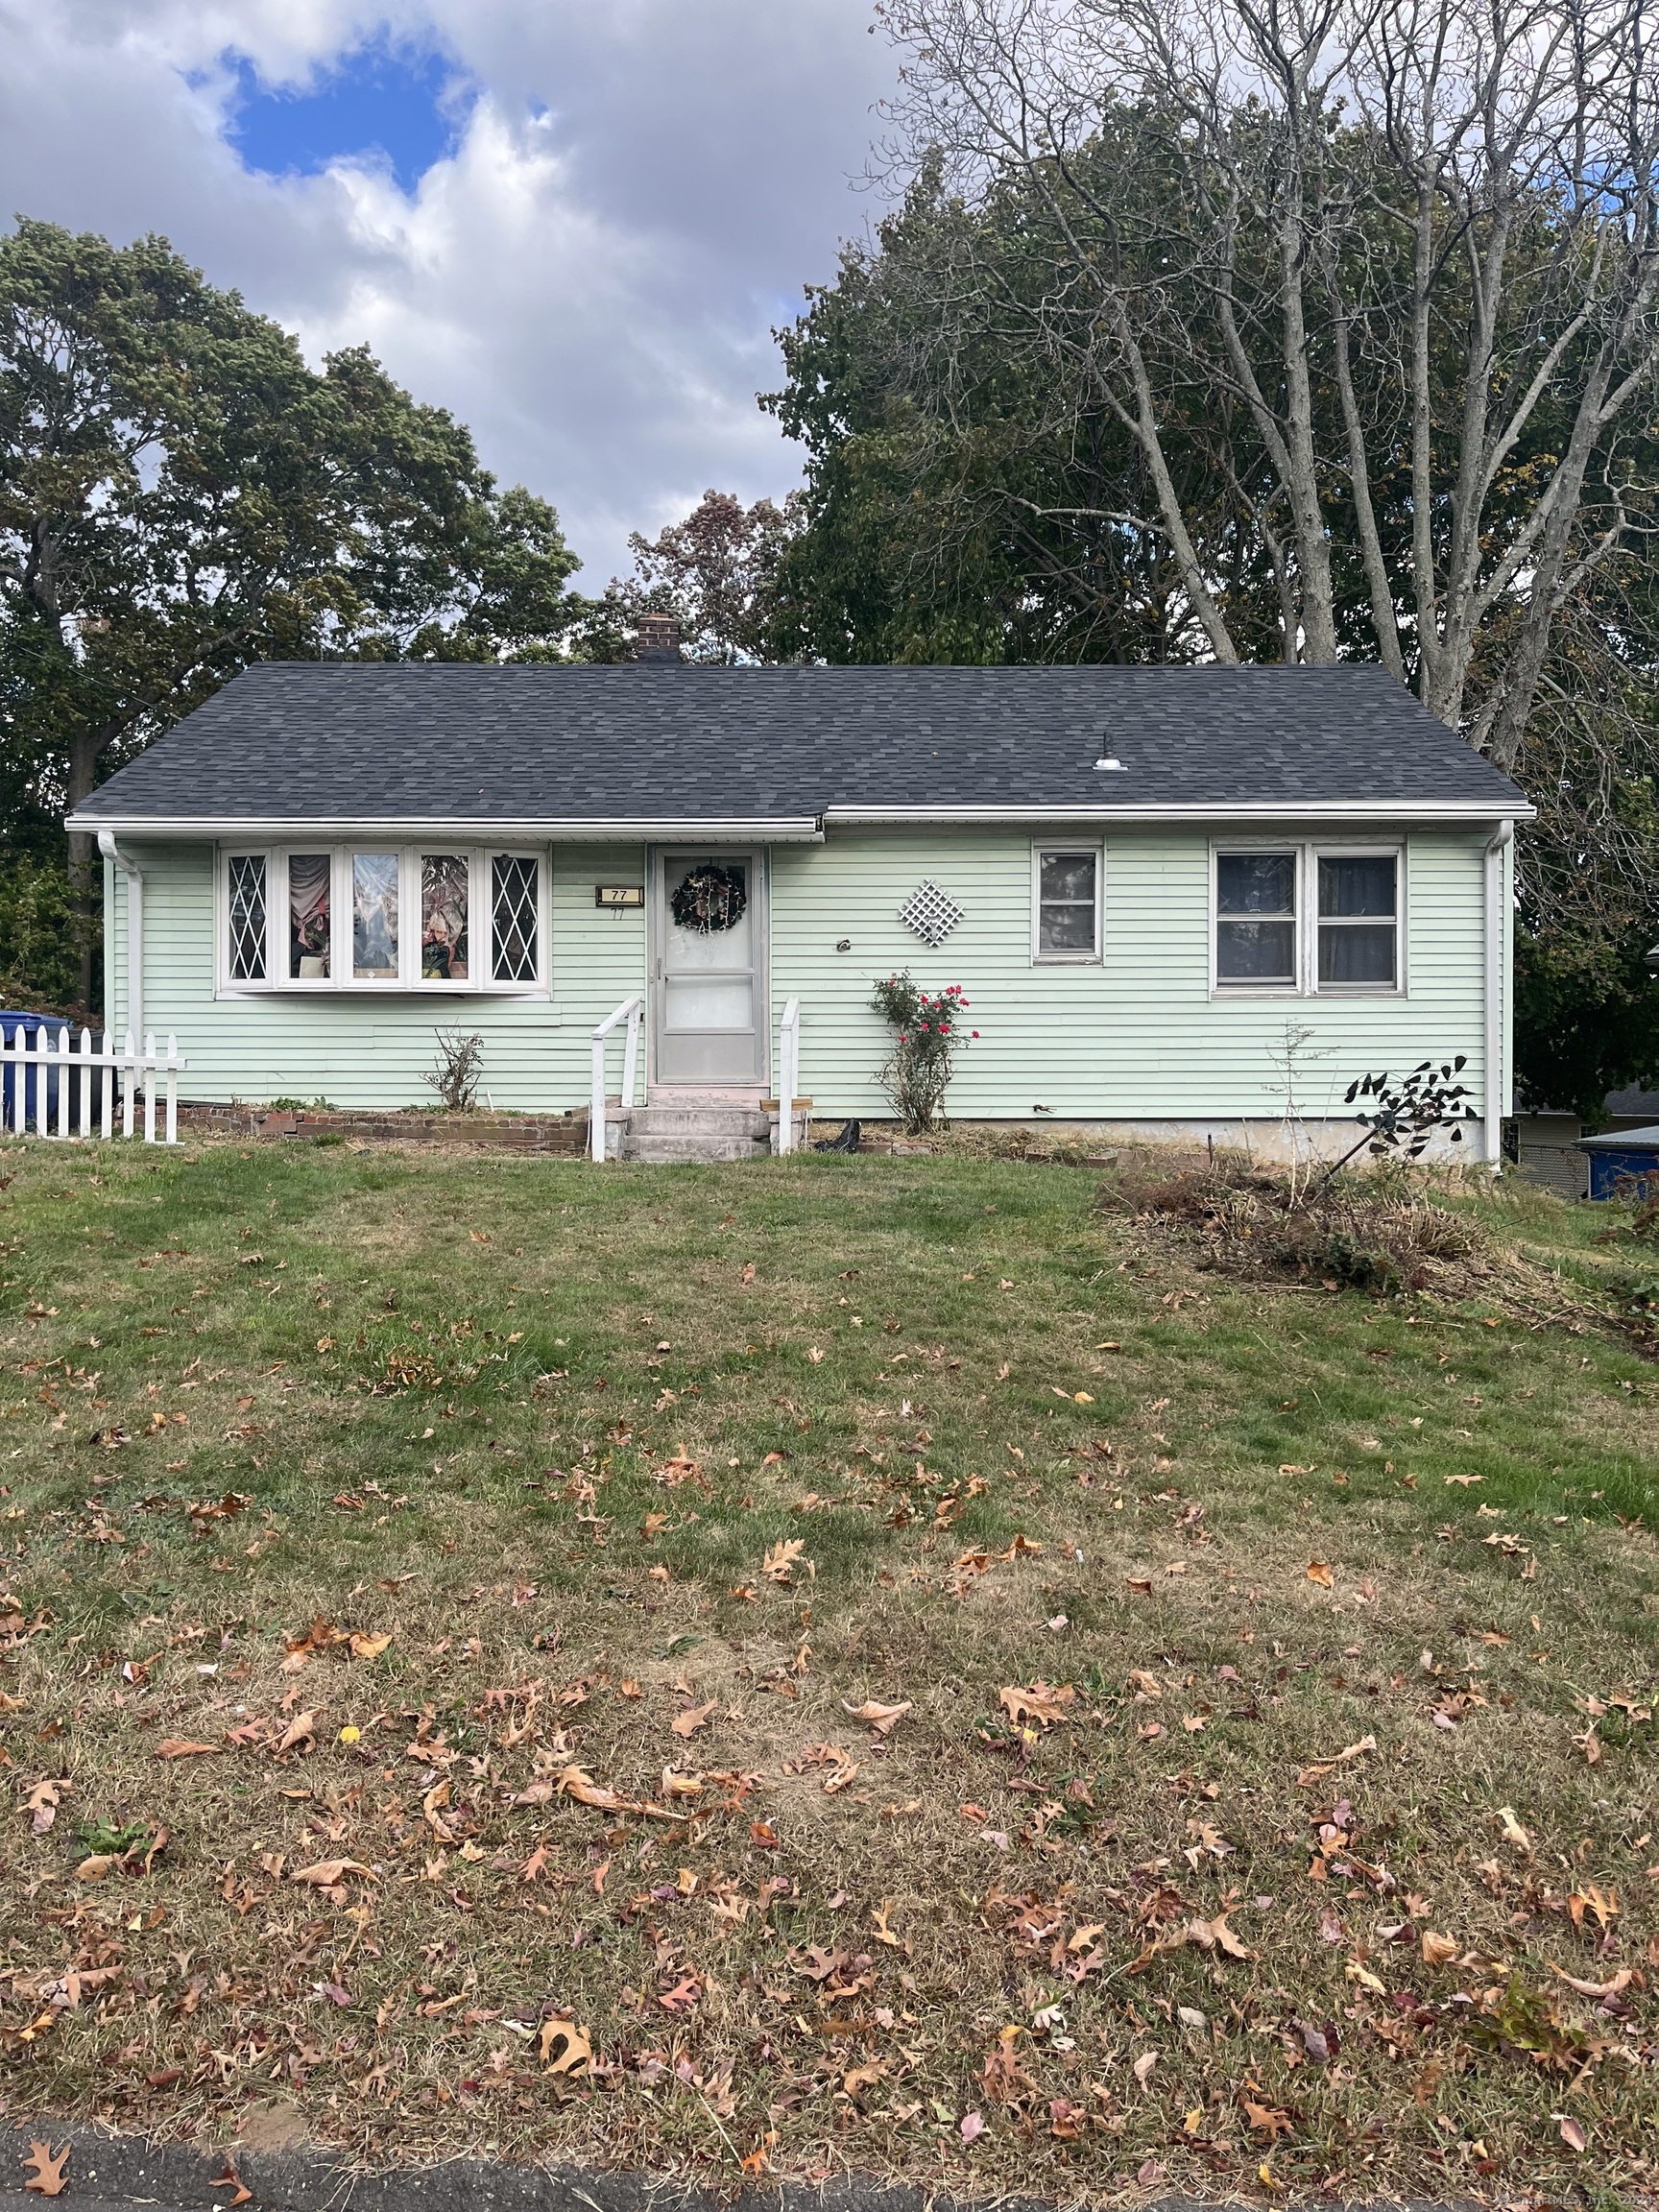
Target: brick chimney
(657,639)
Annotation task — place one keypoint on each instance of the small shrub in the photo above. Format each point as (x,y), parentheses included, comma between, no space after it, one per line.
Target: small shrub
(460,1067)
(926,1036)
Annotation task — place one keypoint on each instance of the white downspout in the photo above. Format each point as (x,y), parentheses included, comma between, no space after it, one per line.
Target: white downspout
(108,847)
(1497,1026)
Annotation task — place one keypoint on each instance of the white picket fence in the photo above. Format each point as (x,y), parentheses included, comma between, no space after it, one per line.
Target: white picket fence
(39,1082)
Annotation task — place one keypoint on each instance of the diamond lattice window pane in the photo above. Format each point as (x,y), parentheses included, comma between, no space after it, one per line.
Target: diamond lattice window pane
(514,904)
(931,913)
(248,918)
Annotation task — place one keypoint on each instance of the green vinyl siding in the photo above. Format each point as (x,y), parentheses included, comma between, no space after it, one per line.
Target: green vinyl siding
(1137,1036)
(361,1049)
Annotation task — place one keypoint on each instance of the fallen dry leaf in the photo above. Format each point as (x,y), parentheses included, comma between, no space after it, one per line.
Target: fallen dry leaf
(1318,1572)
(328,1871)
(1600,1990)
(1512,1830)
(1038,1704)
(781,1560)
(1438,1950)
(181,1748)
(240,2193)
(1569,2131)
(49,2177)
(563,2047)
(365,1646)
(576,1782)
(301,1729)
(1266,2119)
(884,1718)
(693,1717)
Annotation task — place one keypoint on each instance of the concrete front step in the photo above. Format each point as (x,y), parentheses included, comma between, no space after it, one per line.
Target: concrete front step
(700,1121)
(678,1151)
(678,1135)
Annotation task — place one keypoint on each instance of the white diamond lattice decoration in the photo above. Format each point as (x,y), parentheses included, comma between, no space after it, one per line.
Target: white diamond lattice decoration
(931,913)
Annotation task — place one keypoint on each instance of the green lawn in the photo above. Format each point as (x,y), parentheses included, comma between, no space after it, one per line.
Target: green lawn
(1273,1806)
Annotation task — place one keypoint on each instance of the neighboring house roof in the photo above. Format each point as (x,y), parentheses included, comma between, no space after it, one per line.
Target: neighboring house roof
(780,751)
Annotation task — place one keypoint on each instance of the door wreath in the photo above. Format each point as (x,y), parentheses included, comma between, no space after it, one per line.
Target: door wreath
(710,899)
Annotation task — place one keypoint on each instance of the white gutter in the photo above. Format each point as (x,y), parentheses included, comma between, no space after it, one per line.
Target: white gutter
(1497,1026)
(112,852)
(1451,812)
(789,830)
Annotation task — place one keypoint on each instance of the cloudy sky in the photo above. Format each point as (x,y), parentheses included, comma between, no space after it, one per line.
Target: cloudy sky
(572,222)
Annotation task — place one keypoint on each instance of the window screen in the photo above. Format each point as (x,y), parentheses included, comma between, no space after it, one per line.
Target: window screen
(248,918)
(1067,904)
(1358,939)
(1256,918)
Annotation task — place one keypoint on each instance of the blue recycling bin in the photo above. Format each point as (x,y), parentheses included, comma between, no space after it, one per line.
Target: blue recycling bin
(30,1027)
(1623,1162)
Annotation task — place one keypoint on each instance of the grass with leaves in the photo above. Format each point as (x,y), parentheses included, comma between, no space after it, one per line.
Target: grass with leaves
(875,1664)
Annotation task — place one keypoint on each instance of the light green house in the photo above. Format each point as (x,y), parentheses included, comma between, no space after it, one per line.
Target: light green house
(1144,880)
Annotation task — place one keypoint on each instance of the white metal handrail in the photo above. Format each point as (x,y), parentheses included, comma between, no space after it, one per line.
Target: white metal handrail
(788,1073)
(632,1011)
(138,1070)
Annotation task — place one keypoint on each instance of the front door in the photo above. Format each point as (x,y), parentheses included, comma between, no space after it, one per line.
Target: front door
(708,998)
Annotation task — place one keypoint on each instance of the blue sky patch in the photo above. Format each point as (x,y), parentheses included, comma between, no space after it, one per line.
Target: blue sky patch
(378,104)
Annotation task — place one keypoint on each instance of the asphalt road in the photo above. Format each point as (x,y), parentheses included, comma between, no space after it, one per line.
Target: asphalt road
(121,2174)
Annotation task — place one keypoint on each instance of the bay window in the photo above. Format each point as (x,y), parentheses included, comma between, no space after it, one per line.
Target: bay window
(368,918)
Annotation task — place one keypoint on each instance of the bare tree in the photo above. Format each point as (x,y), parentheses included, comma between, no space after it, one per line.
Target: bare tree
(1405,253)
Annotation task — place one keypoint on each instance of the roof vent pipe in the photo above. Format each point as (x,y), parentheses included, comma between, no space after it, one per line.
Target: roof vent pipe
(1109,764)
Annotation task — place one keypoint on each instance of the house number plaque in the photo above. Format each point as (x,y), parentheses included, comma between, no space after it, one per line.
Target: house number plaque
(618,896)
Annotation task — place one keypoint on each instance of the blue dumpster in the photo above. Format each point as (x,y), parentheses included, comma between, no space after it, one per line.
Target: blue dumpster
(1623,1162)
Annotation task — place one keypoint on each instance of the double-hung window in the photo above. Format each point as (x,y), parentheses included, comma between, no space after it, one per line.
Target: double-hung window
(1256,920)
(438,919)
(1359,922)
(1066,903)
(1307,918)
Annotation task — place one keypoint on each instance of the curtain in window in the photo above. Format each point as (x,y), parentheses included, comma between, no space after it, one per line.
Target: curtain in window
(309,879)
(443,917)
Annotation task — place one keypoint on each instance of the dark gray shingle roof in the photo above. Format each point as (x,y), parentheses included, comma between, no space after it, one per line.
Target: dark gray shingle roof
(295,740)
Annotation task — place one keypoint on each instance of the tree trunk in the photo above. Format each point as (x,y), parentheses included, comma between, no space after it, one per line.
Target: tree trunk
(85,876)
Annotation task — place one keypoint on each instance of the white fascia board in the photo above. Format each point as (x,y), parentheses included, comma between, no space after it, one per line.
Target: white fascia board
(792,829)
(1377,810)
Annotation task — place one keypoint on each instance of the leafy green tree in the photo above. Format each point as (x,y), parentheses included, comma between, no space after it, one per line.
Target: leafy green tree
(182,495)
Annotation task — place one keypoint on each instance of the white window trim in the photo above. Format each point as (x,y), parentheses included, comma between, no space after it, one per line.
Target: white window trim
(1097,851)
(409,981)
(1309,853)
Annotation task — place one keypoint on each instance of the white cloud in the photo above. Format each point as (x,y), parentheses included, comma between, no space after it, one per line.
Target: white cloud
(640,189)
